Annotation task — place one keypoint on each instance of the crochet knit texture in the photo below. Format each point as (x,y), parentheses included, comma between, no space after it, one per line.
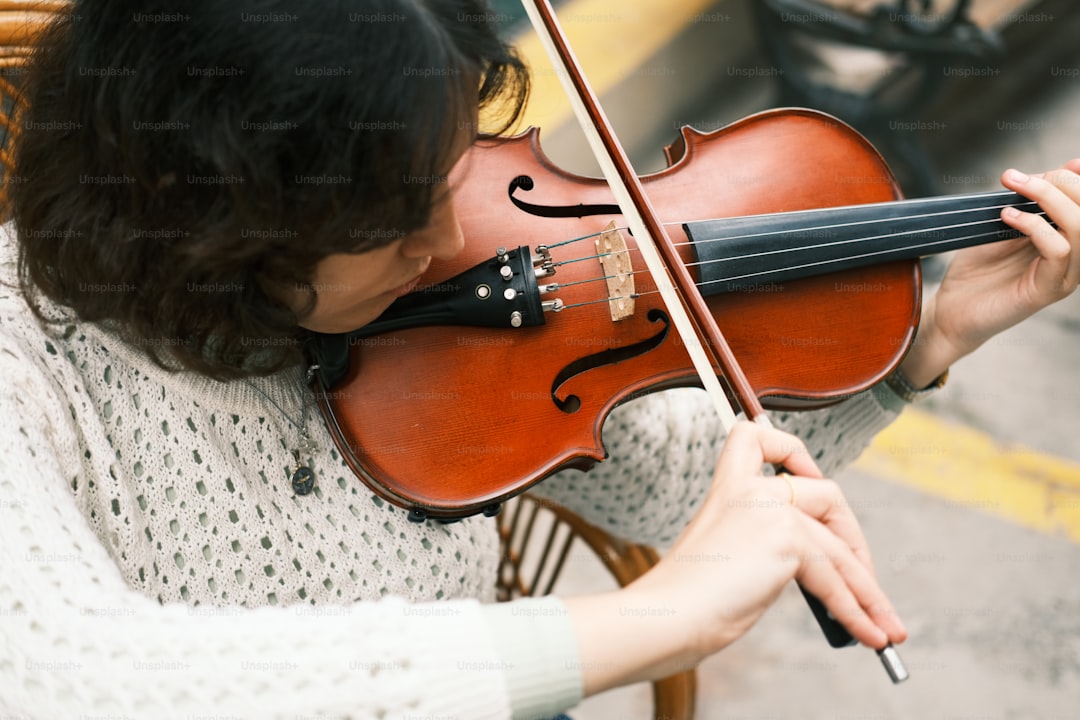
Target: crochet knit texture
(156,563)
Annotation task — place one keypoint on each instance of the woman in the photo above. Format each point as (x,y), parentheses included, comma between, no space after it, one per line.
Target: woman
(196,190)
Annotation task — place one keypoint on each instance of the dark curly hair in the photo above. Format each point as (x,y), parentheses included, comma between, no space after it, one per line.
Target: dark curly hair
(178,168)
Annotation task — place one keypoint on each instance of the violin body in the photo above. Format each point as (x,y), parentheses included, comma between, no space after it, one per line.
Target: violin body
(450,421)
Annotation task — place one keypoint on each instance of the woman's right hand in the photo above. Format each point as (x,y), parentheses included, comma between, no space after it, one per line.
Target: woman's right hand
(730,564)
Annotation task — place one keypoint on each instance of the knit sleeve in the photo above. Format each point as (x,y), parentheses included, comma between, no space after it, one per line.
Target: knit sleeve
(75,639)
(662,449)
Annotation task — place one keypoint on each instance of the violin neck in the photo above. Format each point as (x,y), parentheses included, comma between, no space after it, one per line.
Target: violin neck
(742,252)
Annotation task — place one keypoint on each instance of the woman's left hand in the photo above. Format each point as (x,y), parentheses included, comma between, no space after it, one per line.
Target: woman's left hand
(992,287)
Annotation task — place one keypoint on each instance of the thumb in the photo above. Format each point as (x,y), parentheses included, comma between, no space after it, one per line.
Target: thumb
(749,446)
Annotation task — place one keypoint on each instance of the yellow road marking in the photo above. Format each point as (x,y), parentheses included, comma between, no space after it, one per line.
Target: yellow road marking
(611,39)
(974,471)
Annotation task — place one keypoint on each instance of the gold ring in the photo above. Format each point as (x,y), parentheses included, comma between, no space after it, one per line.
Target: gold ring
(791,484)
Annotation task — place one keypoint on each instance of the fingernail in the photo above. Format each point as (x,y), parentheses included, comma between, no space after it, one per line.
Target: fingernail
(1017,176)
(1011,212)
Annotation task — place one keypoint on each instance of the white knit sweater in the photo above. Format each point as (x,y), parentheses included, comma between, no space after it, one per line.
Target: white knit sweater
(155,562)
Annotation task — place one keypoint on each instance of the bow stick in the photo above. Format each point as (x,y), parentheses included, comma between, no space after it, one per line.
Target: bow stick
(661,258)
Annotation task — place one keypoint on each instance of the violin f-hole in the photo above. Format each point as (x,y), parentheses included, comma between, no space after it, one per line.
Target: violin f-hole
(526,183)
(572,403)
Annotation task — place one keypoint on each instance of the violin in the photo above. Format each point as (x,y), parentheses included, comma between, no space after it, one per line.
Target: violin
(534,381)
(501,367)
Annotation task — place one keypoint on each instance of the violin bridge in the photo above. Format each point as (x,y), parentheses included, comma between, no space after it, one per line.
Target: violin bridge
(618,272)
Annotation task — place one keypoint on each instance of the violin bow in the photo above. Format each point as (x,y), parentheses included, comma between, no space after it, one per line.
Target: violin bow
(689,314)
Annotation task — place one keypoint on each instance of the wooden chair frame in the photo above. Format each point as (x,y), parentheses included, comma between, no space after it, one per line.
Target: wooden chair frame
(537,536)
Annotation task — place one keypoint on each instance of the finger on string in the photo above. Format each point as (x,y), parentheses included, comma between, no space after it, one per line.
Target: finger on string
(1067,180)
(1060,193)
(1054,251)
(1053,244)
(1050,197)
(823,501)
(1067,218)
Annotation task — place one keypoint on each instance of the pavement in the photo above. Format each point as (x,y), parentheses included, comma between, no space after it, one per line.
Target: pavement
(971,502)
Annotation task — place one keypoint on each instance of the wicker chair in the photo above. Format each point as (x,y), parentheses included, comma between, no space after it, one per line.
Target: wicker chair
(537,537)
(20,22)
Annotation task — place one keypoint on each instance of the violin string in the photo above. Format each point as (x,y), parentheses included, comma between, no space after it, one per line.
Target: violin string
(584,257)
(579,239)
(745,276)
(857,240)
(734,278)
(918,216)
(878,221)
(815,228)
(867,238)
(805,247)
(633,296)
(838,260)
(599,278)
(801,248)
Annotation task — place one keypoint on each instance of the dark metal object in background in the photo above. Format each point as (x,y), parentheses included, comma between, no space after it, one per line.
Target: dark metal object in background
(887,111)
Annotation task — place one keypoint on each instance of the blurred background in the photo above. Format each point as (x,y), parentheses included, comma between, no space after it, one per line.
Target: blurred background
(971,501)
